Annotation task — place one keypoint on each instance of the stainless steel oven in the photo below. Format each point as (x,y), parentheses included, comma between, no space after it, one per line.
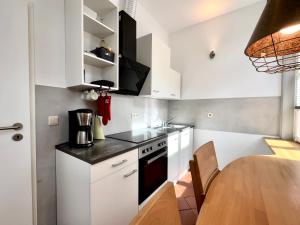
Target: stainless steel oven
(153,167)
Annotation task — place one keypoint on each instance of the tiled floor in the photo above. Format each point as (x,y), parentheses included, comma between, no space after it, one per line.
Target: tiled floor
(186,200)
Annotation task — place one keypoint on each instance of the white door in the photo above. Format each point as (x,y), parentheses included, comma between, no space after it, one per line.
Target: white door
(15,156)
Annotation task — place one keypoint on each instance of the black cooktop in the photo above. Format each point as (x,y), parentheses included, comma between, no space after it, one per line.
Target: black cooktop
(139,136)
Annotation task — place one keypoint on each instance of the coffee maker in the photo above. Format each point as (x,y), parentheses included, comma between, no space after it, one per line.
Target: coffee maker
(81,128)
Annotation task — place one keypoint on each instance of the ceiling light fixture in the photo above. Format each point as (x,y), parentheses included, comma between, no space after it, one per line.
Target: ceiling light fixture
(291,29)
(275,43)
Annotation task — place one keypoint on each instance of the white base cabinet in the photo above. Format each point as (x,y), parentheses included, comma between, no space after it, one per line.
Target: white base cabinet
(102,194)
(114,199)
(180,152)
(173,156)
(186,150)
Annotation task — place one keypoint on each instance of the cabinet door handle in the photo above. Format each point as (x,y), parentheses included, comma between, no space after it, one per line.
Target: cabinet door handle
(155,91)
(131,173)
(173,95)
(119,163)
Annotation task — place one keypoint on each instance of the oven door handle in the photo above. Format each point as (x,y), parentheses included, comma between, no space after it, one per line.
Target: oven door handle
(157,157)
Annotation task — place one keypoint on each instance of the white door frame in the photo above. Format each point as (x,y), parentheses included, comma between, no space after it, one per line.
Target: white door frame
(32,108)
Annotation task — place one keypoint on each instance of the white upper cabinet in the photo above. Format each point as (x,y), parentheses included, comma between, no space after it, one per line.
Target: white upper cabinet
(85,29)
(162,82)
(174,87)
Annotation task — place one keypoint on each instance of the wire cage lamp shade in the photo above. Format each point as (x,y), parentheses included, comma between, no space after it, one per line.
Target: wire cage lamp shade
(275,43)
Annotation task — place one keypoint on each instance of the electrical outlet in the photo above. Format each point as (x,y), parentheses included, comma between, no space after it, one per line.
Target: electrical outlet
(134,115)
(53,120)
(210,115)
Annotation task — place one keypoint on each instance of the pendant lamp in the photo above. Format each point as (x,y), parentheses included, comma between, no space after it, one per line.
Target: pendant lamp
(275,43)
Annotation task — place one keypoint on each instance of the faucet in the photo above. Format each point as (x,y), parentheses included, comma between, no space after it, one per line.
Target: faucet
(167,122)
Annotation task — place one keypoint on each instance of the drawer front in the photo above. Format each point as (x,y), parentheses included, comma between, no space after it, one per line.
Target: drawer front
(102,169)
(185,132)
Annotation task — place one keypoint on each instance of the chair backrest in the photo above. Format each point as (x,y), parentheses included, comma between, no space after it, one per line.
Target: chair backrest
(161,209)
(197,185)
(206,164)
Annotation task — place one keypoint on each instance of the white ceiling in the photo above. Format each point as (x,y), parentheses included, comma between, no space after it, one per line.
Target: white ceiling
(174,15)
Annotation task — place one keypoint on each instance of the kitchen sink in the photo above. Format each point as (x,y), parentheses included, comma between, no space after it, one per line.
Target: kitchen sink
(176,126)
(171,126)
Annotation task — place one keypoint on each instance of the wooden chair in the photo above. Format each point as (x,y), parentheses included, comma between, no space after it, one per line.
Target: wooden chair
(197,185)
(160,210)
(204,168)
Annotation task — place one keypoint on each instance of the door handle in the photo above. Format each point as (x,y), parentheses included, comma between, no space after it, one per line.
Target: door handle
(16,126)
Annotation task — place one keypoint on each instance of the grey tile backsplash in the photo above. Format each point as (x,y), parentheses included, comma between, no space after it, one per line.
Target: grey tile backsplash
(242,115)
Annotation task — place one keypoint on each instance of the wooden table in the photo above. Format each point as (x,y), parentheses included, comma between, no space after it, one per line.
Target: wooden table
(256,190)
(284,148)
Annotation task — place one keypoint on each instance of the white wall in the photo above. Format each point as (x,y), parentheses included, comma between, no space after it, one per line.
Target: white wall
(231,146)
(49,38)
(147,24)
(230,74)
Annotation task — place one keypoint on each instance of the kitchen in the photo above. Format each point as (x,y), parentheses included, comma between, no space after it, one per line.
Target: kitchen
(200,87)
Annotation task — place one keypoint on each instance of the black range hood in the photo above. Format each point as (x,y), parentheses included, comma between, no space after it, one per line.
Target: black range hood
(132,74)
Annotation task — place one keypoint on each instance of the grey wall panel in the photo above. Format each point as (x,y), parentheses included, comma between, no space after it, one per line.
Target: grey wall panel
(244,115)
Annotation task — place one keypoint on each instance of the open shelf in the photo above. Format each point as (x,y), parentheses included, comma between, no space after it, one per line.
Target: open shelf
(83,34)
(96,28)
(103,7)
(93,60)
(87,86)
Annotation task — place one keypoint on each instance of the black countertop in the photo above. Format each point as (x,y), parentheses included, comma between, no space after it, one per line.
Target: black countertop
(108,148)
(100,151)
(142,135)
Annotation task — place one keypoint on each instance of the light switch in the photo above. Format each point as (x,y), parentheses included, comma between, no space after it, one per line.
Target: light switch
(134,115)
(53,120)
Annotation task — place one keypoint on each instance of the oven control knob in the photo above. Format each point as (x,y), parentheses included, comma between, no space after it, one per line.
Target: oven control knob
(159,145)
(151,148)
(143,151)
